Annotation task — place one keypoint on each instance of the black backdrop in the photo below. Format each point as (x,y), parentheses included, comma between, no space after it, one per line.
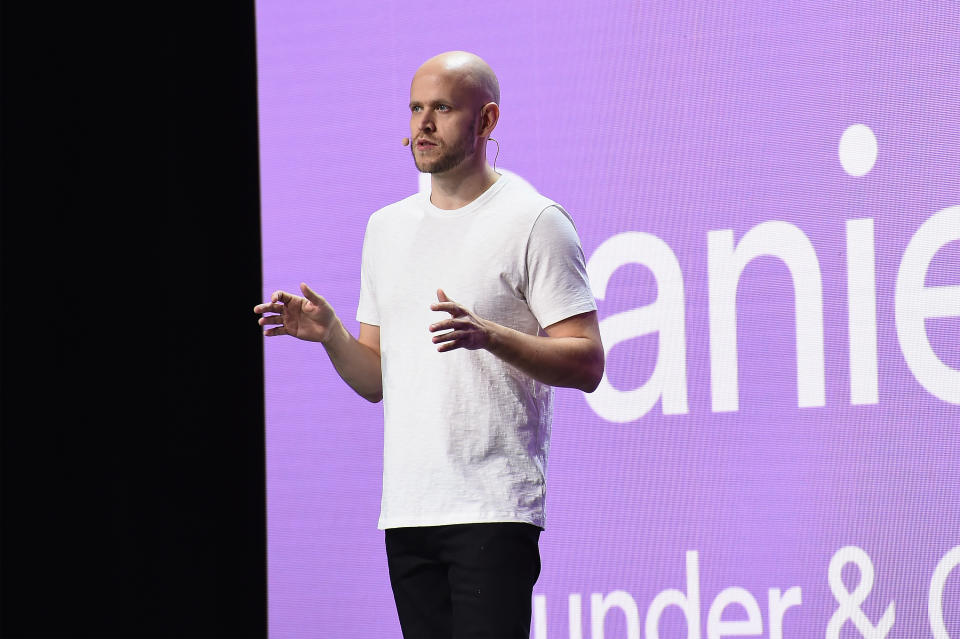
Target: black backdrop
(132,403)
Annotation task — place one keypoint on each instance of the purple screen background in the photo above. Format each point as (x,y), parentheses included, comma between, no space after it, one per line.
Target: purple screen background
(675,121)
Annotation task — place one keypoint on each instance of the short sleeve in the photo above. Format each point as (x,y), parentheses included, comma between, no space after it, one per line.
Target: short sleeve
(557,286)
(367,312)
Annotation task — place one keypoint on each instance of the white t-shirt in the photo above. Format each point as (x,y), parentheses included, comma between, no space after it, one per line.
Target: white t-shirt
(466,435)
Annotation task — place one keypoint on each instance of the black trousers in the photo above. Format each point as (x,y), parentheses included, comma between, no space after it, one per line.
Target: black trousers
(465,580)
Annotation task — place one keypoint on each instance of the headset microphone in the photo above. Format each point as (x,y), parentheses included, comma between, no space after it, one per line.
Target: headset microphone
(406,142)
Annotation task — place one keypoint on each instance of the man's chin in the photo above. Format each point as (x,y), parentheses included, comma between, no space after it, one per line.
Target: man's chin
(431,168)
(442,164)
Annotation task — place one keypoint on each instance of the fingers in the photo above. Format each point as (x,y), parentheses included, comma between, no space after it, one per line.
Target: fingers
(446,305)
(451,323)
(268,308)
(281,296)
(278,330)
(449,346)
(268,320)
(310,294)
(449,307)
(448,337)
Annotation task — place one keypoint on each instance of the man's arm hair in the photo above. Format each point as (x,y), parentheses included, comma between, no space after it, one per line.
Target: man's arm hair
(570,355)
(357,361)
(312,319)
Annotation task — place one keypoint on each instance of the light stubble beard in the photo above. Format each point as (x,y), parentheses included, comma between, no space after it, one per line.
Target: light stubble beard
(449,159)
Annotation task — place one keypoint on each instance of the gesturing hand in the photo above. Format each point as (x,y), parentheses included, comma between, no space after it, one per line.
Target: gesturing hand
(466,330)
(308,318)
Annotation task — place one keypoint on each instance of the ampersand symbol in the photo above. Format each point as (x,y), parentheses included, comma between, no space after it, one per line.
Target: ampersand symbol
(849,609)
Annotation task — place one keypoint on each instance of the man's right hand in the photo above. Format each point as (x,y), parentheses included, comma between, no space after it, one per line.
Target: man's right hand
(308,318)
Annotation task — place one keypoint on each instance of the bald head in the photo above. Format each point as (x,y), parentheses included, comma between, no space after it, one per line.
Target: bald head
(453,110)
(470,72)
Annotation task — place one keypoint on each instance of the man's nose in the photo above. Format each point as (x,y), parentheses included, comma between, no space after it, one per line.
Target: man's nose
(426,122)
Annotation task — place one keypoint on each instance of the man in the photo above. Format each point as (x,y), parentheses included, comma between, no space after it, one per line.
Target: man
(467,411)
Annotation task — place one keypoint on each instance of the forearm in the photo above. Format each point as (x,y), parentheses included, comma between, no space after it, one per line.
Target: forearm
(358,365)
(573,362)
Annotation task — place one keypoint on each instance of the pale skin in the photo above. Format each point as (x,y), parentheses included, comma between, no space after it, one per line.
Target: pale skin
(453,110)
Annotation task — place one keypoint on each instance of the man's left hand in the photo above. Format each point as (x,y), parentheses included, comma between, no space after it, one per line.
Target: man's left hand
(465,329)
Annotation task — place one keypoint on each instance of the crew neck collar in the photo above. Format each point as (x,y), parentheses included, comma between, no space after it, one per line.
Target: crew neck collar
(479,201)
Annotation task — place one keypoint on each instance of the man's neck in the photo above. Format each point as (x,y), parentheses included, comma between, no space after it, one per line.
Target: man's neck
(459,187)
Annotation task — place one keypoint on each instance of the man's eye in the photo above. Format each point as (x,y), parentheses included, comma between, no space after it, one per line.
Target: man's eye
(415,109)
(442,107)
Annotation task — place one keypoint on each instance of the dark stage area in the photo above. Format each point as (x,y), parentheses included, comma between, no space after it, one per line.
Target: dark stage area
(132,450)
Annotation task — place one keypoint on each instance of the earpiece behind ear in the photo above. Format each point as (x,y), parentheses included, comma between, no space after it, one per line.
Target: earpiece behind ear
(482,120)
(489,117)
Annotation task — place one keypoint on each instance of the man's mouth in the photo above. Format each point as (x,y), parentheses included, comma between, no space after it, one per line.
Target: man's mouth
(425,144)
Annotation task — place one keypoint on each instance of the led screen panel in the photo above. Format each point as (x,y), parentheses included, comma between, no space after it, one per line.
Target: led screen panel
(768,198)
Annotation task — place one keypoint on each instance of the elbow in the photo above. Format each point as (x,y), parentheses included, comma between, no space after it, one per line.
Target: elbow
(594,373)
(591,383)
(374,396)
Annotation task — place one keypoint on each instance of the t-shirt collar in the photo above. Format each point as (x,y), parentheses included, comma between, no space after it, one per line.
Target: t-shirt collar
(482,199)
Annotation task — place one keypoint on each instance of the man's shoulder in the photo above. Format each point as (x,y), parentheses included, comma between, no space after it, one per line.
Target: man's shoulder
(523,197)
(410,205)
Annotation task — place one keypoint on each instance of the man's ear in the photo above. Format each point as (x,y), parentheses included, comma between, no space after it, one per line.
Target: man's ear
(489,116)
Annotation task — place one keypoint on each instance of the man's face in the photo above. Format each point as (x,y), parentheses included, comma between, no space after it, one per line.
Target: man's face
(442,121)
